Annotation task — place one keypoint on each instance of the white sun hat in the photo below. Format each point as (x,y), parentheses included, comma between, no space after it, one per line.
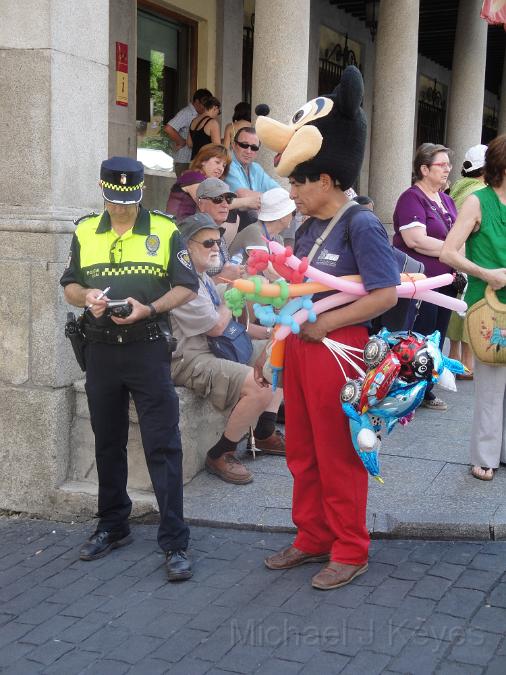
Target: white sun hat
(276,204)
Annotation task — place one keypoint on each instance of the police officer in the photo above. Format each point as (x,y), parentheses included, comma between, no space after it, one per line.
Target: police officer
(134,255)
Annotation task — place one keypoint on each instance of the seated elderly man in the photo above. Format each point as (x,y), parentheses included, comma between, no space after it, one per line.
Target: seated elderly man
(228,384)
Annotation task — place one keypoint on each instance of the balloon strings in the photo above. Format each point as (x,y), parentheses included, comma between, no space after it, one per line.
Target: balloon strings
(345,352)
(414,285)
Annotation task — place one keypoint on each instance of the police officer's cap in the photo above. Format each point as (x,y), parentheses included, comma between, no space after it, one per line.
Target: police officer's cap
(122,180)
(199,221)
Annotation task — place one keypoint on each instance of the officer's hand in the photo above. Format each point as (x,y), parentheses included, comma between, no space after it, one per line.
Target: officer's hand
(139,312)
(96,303)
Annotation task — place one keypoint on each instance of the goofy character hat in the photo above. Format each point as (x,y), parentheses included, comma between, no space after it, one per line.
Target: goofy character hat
(326,135)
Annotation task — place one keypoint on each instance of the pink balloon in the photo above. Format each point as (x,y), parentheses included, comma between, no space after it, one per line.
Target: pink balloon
(404,290)
(331,301)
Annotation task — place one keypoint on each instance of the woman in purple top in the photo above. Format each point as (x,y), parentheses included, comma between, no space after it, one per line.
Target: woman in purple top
(423,216)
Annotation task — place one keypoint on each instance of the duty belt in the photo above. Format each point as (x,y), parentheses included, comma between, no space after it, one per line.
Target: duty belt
(124,334)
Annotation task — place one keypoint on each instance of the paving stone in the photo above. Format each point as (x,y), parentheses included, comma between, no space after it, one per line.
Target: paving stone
(474,647)
(446,571)
(410,570)
(217,644)
(369,617)
(186,666)
(366,662)
(430,587)
(81,629)
(273,666)
(180,644)
(482,561)
(48,630)
(461,553)
(443,627)
(376,573)
(105,639)
(412,612)
(390,592)
(26,600)
(497,666)
(419,658)
(108,667)
(13,631)
(135,648)
(50,652)
(76,661)
(452,668)
(429,553)
(10,653)
(167,624)
(325,663)
(480,580)
(149,666)
(24,667)
(348,596)
(41,612)
(497,596)
(210,617)
(86,605)
(492,619)
(461,602)
(245,658)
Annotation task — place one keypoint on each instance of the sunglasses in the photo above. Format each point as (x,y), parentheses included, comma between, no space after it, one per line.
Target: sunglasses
(245,146)
(219,200)
(207,243)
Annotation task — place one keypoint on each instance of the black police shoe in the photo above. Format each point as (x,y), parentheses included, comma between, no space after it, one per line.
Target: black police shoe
(102,542)
(178,566)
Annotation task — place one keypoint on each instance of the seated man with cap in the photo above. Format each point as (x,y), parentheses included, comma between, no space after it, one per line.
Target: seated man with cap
(214,198)
(137,257)
(229,385)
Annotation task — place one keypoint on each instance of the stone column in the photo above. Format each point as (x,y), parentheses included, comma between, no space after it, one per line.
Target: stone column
(54,92)
(280,60)
(502,101)
(394,104)
(467,90)
(229,23)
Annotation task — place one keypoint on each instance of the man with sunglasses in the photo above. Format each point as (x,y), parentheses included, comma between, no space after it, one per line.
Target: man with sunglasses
(228,384)
(245,176)
(214,198)
(131,254)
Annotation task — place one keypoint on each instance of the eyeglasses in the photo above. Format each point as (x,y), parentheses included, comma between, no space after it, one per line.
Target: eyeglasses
(219,200)
(113,250)
(443,165)
(207,243)
(245,146)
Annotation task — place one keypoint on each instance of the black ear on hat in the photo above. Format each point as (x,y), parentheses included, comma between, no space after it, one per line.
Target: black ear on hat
(349,93)
(262,109)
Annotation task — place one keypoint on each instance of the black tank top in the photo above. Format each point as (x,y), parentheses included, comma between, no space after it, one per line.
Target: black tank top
(199,136)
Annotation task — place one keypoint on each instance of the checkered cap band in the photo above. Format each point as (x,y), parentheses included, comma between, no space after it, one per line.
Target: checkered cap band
(122,188)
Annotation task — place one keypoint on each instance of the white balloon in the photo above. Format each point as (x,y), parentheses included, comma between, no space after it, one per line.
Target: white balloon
(367,440)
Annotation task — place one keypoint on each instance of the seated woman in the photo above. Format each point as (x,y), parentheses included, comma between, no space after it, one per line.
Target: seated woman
(204,129)
(212,161)
(275,215)
(230,385)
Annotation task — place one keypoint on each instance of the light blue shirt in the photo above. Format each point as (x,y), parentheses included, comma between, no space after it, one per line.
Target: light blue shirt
(256,179)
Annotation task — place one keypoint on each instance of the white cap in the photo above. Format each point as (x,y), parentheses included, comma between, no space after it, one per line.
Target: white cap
(276,204)
(474,158)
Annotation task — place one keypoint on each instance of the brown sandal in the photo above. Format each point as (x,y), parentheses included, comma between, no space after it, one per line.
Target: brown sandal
(485,476)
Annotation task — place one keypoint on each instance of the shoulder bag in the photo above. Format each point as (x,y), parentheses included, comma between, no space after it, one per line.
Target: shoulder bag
(486,325)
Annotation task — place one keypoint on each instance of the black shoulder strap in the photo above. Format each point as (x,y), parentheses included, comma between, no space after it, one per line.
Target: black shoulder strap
(347,218)
(88,215)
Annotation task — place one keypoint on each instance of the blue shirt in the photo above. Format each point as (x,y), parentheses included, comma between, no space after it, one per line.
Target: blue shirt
(363,250)
(256,179)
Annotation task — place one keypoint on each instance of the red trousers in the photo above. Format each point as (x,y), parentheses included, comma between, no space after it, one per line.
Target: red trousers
(330,481)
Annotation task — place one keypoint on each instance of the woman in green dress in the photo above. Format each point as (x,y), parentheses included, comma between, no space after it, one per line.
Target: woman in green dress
(471,180)
(481,226)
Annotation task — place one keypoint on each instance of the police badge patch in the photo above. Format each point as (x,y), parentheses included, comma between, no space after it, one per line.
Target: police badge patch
(152,244)
(184,258)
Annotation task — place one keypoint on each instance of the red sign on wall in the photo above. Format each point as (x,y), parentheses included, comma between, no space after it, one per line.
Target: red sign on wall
(121,73)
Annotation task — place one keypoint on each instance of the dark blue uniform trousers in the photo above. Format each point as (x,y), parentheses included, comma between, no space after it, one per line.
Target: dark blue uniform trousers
(143,370)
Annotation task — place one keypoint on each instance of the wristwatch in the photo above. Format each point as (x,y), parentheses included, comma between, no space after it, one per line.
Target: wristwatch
(269,331)
(152,311)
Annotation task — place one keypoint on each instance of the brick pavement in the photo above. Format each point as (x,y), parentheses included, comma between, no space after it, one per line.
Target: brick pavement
(423,607)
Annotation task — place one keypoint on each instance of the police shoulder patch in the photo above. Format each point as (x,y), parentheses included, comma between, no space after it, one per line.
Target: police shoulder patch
(88,215)
(165,215)
(184,258)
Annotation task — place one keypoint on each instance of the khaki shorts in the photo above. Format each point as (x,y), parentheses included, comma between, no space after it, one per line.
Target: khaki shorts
(217,379)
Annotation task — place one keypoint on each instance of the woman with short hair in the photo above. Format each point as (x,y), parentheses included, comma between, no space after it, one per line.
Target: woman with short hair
(423,217)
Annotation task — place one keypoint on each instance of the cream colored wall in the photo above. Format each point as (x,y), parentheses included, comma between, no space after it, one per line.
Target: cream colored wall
(203,11)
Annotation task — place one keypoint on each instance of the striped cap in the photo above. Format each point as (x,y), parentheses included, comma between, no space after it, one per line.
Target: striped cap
(122,180)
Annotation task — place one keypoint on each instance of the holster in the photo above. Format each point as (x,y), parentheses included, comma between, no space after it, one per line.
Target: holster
(74,331)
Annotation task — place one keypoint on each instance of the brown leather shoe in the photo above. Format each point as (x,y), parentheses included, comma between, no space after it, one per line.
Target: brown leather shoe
(336,575)
(229,468)
(292,557)
(272,445)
